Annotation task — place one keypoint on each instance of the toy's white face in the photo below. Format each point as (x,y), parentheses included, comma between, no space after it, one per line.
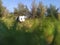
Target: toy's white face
(22,18)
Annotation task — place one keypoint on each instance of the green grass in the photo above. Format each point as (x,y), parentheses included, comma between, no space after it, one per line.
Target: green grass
(30,32)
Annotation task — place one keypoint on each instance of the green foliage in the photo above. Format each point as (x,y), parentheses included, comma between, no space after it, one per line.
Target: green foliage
(36,31)
(3,10)
(30,32)
(21,10)
(41,10)
(52,11)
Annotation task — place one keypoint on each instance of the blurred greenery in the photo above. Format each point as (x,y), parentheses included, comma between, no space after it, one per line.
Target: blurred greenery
(31,32)
(42,27)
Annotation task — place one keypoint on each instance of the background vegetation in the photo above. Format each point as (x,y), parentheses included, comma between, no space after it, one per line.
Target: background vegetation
(41,28)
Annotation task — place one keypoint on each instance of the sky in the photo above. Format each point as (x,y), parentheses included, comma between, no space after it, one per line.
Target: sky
(11,4)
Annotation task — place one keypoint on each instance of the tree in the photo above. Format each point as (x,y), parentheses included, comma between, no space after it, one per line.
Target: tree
(34,9)
(21,10)
(52,11)
(41,10)
(15,12)
(3,10)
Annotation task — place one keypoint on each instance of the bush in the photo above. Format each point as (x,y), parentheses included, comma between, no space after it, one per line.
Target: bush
(30,32)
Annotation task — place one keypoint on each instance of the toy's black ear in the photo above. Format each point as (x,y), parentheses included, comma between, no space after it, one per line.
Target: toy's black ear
(17,19)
